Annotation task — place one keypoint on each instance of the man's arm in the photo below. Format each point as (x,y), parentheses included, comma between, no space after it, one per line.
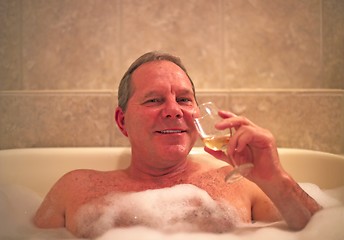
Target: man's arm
(51,213)
(252,144)
(293,203)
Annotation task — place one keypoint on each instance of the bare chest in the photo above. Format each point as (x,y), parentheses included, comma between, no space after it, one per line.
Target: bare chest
(202,196)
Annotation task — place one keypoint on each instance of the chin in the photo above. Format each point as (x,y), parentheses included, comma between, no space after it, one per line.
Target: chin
(178,149)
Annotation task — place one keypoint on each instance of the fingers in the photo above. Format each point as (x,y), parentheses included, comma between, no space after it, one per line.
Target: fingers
(242,137)
(247,134)
(240,140)
(232,121)
(226,114)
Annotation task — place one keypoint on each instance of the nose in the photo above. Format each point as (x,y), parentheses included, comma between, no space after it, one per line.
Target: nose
(172,110)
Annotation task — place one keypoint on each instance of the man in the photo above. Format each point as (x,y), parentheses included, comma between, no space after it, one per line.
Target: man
(156,100)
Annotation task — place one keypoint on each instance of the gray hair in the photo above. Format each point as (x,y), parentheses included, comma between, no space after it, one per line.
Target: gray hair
(125,90)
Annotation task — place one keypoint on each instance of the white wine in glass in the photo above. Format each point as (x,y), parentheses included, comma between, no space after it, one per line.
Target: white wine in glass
(216,142)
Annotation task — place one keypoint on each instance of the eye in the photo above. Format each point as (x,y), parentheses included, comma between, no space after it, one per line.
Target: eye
(153,101)
(184,100)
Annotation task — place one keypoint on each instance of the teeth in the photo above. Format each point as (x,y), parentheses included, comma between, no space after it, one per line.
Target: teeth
(170,131)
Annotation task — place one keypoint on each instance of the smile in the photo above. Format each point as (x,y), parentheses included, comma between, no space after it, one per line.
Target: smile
(171,131)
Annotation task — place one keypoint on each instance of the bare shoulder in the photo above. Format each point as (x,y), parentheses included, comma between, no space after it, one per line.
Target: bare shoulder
(73,177)
(82,180)
(71,180)
(66,184)
(51,212)
(71,190)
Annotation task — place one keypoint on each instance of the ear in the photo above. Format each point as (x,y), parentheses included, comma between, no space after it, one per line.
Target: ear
(119,118)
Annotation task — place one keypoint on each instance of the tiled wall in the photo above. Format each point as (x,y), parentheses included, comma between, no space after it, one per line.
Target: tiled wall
(278,62)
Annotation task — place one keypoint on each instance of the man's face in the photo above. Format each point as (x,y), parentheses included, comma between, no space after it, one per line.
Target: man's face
(158,119)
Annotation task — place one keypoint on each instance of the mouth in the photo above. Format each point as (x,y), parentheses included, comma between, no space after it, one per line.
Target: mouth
(171,131)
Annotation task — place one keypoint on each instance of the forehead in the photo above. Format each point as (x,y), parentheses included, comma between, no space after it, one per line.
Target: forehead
(157,74)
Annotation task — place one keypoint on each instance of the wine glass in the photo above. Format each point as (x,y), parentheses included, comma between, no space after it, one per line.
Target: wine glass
(205,117)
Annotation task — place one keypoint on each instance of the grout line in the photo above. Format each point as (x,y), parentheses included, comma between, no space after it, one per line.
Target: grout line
(119,40)
(21,74)
(56,92)
(272,90)
(222,39)
(200,91)
(321,36)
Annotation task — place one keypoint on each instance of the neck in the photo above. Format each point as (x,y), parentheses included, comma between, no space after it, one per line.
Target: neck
(137,171)
(177,173)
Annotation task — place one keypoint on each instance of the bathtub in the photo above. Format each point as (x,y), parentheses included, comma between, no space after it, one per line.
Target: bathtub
(38,169)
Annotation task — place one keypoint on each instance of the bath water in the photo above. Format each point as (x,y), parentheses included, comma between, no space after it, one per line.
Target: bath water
(18,205)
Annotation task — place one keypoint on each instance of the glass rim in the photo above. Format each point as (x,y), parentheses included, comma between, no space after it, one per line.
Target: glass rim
(204,104)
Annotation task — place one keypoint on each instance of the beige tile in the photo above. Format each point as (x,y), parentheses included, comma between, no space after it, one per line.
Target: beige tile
(271,44)
(55,120)
(10,45)
(219,98)
(225,45)
(69,44)
(188,29)
(309,120)
(297,119)
(333,43)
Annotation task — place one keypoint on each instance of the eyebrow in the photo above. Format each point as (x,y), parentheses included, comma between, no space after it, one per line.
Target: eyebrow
(186,92)
(150,94)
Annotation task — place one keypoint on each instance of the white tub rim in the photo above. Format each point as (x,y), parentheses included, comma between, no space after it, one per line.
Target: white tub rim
(329,175)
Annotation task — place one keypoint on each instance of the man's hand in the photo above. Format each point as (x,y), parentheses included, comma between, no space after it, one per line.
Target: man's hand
(249,144)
